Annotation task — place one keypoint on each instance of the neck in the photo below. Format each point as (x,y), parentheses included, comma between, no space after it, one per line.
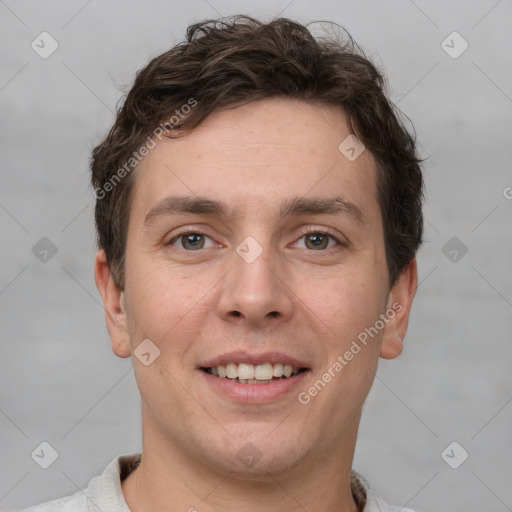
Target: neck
(170,479)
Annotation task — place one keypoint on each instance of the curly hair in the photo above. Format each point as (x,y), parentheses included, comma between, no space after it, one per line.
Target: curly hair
(230,62)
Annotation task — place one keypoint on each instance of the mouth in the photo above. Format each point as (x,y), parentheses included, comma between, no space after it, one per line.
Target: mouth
(254,378)
(246,373)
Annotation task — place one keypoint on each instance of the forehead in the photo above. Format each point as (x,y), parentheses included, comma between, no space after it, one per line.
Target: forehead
(253,156)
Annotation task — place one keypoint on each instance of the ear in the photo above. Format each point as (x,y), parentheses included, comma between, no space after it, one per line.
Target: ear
(114,304)
(399,304)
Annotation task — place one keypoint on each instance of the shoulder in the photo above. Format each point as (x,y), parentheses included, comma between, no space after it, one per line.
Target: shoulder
(75,503)
(375,503)
(103,494)
(368,499)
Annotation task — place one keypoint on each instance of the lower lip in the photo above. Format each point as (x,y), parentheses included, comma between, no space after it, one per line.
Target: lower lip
(254,393)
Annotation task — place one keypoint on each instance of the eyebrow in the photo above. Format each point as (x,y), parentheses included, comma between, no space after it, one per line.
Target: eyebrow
(323,206)
(173,205)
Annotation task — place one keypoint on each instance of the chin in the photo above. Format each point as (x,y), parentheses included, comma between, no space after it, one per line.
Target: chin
(253,457)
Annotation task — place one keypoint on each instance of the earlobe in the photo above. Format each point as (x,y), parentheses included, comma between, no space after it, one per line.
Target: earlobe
(392,345)
(399,302)
(115,306)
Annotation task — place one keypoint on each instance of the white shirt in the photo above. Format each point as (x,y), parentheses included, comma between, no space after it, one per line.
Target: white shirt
(104,493)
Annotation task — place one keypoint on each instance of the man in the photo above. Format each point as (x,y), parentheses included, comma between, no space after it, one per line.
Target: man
(258,214)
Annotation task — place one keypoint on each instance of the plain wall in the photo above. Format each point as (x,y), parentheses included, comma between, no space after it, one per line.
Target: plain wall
(60,381)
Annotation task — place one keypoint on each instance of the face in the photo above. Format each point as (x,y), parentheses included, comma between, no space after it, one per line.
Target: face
(255,249)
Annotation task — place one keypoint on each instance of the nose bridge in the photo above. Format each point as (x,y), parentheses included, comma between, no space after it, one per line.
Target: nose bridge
(253,291)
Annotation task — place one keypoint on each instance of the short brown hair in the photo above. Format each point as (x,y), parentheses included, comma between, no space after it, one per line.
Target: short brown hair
(230,62)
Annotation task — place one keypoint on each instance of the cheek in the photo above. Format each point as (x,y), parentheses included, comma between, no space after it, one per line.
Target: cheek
(343,303)
(348,307)
(343,313)
(161,305)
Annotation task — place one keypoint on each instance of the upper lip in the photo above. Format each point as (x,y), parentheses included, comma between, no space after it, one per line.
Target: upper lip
(254,359)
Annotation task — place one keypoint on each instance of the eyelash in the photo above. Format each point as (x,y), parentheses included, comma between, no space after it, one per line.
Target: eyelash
(316,231)
(304,232)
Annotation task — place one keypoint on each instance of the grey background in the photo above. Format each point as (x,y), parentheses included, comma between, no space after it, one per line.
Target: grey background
(61,383)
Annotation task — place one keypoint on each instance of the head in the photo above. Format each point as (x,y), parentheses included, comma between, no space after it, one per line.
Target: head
(232,225)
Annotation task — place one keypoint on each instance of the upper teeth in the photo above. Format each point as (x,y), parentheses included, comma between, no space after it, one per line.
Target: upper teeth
(254,372)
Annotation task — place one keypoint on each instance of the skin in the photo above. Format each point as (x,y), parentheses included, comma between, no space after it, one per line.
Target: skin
(307,302)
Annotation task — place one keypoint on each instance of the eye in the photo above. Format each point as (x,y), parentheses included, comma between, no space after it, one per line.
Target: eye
(191,241)
(318,240)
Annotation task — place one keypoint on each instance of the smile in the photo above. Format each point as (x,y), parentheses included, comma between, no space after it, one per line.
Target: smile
(245,373)
(253,378)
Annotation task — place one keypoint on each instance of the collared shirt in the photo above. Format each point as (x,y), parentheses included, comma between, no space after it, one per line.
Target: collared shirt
(104,493)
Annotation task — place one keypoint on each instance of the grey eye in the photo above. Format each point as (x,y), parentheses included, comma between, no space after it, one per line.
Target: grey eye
(192,241)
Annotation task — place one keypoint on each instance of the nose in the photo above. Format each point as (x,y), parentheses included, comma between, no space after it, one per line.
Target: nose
(255,293)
